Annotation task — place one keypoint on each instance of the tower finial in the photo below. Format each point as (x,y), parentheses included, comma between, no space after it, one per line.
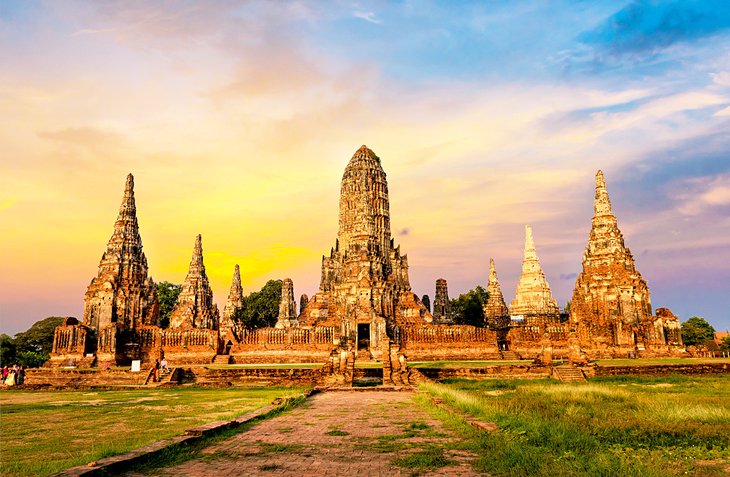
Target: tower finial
(197,251)
(601,204)
(492,271)
(529,243)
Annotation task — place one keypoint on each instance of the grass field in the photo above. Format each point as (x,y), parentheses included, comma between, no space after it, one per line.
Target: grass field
(653,361)
(44,432)
(619,426)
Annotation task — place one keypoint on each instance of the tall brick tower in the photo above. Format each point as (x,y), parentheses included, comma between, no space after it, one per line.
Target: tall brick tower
(364,287)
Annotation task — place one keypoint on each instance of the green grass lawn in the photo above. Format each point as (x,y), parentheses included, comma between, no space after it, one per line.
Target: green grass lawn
(45,432)
(261,366)
(465,364)
(617,426)
(652,361)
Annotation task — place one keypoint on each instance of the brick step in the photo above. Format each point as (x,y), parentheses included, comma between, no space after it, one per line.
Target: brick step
(222,359)
(509,355)
(569,374)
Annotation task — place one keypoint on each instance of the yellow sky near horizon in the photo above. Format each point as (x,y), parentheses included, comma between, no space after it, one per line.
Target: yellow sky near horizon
(238,124)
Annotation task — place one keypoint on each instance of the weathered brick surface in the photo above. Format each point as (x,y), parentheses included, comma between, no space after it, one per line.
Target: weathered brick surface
(307,448)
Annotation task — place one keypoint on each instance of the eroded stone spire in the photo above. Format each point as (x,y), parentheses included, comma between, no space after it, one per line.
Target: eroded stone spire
(235,297)
(122,292)
(495,307)
(610,300)
(195,307)
(287,306)
(602,204)
(303,302)
(533,296)
(441,304)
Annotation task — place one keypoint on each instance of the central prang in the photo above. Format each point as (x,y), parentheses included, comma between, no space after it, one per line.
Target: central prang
(365,278)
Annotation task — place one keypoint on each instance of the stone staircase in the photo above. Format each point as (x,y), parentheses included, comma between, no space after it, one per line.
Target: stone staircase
(509,355)
(364,355)
(569,374)
(222,359)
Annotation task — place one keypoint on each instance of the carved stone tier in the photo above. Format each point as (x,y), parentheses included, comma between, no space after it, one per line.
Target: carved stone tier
(195,307)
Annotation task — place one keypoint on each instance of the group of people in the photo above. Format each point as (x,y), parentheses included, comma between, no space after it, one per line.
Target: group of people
(14,376)
(159,367)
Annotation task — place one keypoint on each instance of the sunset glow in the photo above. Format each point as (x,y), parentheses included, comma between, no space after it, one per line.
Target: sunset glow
(238,118)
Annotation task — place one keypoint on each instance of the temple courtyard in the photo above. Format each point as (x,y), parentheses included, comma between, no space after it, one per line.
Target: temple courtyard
(612,425)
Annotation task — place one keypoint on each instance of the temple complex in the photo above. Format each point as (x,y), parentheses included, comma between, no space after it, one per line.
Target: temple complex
(494,309)
(442,304)
(533,299)
(195,307)
(611,306)
(364,308)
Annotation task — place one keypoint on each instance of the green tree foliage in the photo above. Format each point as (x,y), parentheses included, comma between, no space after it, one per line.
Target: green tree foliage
(39,337)
(30,348)
(725,344)
(426,302)
(7,350)
(696,331)
(167,294)
(261,308)
(468,309)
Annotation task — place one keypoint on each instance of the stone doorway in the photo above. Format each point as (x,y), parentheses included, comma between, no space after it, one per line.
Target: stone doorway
(229,345)
(363,336)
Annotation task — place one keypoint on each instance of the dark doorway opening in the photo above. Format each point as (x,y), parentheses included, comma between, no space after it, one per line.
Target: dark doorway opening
(363,336)
(229,345)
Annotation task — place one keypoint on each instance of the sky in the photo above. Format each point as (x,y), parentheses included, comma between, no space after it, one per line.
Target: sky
(237,119)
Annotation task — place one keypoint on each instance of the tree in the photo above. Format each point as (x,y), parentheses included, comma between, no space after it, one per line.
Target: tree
(261,308)
(34,345)
(167,294)
(39,337)
(426,302)
(725,344)
(7,350)
(468,308)
(696,331)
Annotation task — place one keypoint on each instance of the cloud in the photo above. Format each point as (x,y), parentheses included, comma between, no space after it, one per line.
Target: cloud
(702,193)
(646,27)
(649,38)
(88,137)
(568,276)
(368,17)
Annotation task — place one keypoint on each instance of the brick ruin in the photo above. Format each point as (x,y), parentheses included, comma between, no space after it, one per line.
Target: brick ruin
(287,306)
(364,308)
(442,304)
(611,306)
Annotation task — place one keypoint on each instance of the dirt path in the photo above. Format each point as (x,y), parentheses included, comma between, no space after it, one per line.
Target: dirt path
(346,433)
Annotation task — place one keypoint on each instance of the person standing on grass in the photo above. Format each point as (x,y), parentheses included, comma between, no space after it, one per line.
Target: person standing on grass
(5,373)
(10,381)
(21,375)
